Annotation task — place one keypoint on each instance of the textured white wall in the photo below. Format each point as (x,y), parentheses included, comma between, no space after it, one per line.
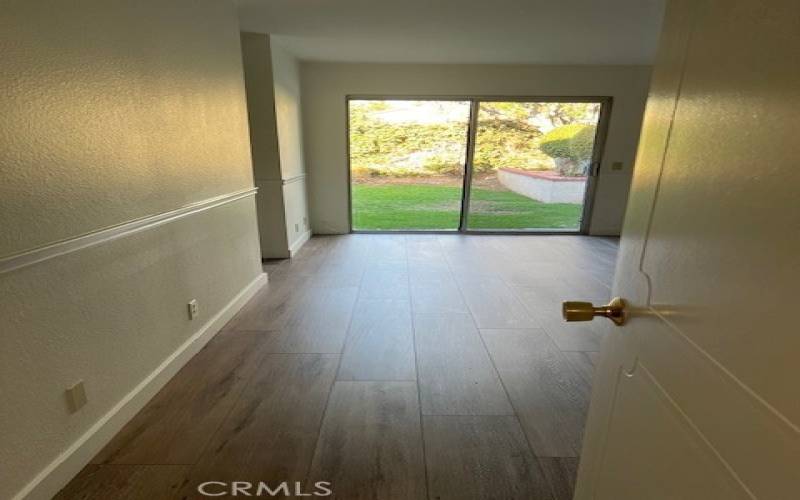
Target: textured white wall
(326,85)
(286,75)
(115,110)
(288,113)
(259,78)
(112,110)
(272,78)
(296,205)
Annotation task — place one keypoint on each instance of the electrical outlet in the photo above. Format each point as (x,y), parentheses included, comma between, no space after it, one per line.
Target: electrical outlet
(297,228)
(194,309)
(305,222)
(617,165)
(76,396)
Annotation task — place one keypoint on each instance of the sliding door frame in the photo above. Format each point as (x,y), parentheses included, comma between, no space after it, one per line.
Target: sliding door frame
(601,134)
(472,135)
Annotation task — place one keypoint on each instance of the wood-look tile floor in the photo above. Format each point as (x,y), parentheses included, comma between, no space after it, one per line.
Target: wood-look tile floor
(392,366)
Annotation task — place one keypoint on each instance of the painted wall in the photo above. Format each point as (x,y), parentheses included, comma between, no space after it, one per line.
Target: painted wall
(112,111)
(258,75)
(325,86)
(288,113)
(272,80)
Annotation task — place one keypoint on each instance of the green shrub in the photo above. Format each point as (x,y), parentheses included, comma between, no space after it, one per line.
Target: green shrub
(555,143)
(573,141)
(358,172)
(381,171)
(441,166)
(582,143)
(406,172)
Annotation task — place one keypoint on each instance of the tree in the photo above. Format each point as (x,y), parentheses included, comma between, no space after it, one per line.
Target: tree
(510,134)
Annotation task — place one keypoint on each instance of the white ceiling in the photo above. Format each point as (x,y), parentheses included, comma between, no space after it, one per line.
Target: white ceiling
(461,31)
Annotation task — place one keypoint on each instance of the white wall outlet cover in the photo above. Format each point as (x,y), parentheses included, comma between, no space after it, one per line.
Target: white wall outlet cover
(194,309)
(76,397)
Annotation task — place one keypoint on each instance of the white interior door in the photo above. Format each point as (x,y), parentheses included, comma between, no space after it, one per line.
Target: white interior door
(697,396)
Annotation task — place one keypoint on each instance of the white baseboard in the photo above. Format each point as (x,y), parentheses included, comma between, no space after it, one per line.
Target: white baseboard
(299,242)
(604,231)
(61,470)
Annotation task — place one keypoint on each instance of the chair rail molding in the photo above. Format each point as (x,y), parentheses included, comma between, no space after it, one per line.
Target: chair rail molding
(295,178)
(45,252)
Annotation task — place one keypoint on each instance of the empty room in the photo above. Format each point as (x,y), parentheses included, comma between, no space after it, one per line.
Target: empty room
(418,250)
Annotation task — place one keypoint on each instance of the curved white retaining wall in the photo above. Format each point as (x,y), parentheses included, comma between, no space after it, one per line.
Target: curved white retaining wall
(546,187)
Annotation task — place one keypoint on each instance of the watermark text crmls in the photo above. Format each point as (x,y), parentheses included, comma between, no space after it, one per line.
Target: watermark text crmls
(263,489)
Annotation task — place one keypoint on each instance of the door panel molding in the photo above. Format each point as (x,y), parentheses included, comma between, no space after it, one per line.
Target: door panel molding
(761,445)
(644,409)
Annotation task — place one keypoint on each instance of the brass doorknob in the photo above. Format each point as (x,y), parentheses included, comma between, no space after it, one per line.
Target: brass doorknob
(586,311)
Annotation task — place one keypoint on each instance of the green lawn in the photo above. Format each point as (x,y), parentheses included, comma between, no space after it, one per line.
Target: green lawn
(386,207)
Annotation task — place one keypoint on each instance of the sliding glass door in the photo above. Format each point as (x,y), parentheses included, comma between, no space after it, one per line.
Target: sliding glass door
(407,162)
(473,164)
(531,166)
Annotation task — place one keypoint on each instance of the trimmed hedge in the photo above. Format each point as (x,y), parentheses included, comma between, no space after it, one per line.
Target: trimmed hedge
(574,141)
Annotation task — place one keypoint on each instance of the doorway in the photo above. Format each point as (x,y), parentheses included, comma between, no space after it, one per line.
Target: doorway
(474,164)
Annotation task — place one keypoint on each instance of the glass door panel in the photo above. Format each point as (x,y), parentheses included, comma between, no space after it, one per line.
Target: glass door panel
(531,165)
(407,162)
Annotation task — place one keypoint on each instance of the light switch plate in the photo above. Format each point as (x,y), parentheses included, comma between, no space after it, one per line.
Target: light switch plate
(76,397)
(194,309)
